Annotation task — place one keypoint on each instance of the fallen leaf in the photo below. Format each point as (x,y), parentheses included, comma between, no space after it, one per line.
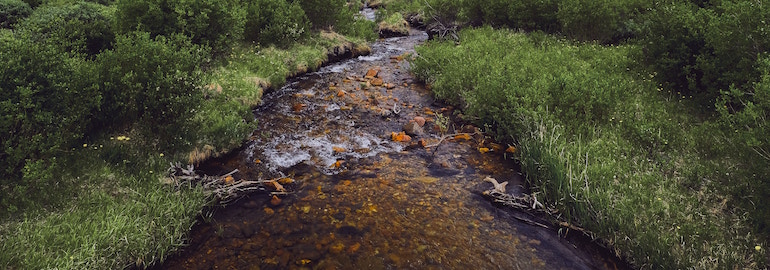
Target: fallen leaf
(338,149)
(285,181)
(337,164)
(483,150)
(229,179)
(275,186)
(510,149)
(275,201)
(463,136)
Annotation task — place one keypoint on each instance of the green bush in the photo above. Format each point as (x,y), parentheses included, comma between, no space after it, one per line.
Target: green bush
(213,23)
(748,130)
(12,11)
(604,21)
(702,50)
(153,82)
(326,13)
(81,27)
(45,105)
(275,22)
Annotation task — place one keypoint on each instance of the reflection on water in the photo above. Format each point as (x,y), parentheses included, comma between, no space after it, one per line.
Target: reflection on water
(361,200)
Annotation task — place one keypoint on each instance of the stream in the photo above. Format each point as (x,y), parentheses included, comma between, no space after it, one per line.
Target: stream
(356,193)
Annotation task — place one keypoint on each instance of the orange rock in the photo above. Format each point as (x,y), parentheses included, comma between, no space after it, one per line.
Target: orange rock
(257,161)
(419,120)
(275,201)
(370,74)
(354,248)
(400,137)
(377,82)
(336,164)
(298,107)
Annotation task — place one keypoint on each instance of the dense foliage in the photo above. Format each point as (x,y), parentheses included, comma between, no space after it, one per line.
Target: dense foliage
(12,11)
(214,23)
(82,27)
(45,106)
(275,22)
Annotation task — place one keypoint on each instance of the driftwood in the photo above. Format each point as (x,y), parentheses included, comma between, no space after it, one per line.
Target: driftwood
(223,188)
(529,204)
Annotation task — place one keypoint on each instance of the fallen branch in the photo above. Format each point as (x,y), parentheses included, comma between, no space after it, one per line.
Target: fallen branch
(224,188)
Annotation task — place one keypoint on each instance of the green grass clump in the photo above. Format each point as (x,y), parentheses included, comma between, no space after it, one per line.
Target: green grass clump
(604,145)
(120,214)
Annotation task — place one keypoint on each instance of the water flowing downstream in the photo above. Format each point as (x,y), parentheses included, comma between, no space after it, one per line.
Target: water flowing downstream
(359,194)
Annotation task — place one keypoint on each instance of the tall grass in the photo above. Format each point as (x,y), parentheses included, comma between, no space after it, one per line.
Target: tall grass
(600,143)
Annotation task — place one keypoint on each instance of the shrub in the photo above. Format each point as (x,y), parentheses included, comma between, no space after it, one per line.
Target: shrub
(82,27)
(748,129)
(275,22)
(326,13)
(153,82)
(603,21)
(12,11)
(45,106)
(213,23)
(700,51)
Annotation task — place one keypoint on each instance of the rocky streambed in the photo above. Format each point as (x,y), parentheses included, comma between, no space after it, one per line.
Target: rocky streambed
(369,172)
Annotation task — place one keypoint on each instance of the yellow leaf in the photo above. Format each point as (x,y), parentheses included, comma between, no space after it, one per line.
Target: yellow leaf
(483,150)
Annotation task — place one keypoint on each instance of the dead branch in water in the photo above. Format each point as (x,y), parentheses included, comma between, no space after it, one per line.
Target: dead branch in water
(223,188)
(529,203)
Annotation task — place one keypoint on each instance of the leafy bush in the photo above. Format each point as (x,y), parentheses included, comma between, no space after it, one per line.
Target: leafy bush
(326,13)
(82,27)
(603,21)
(748,131)
(153,82)
(45,106)
(12,11)
(701,51)
(275,22)
(214,23)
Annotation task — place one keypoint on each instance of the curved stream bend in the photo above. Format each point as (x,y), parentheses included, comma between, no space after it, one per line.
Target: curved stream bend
(361,200)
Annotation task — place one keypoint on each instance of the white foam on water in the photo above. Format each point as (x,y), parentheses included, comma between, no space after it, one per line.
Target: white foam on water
(285,151)
(370,58)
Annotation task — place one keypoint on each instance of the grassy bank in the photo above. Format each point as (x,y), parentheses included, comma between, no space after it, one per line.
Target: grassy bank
(634,163)
(122,212)
(98,99)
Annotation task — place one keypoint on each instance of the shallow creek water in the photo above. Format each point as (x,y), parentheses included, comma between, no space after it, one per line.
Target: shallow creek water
(359,199)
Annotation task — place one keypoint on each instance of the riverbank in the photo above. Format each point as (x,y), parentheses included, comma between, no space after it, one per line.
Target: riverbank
(604,145)
(123,213)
